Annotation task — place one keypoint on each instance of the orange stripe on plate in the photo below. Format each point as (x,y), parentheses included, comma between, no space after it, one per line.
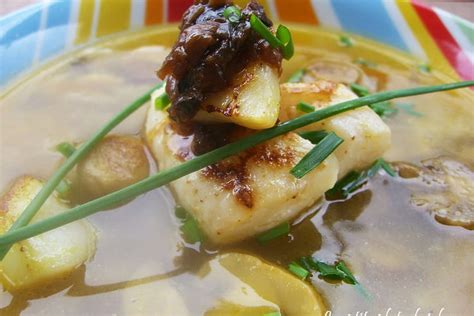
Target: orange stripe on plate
(154,12)
(84,21)
(300,11)
(114,16)
(436,57)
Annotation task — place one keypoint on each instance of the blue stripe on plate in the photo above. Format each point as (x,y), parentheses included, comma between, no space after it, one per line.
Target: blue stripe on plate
(18,40)
(360,17)
(55,36)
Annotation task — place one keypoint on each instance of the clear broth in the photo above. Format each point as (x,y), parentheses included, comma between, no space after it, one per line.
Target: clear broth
(403,258)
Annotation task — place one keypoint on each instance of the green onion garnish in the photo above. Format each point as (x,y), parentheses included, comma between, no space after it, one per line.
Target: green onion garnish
(162,102)
(424,68)
(408,108)
(275,232)
(297,76)
(284,36)
(316,155)
(338,271)
(298,270)
(66,149)
(63,189)
(232,14)
(305,107)
(180,212)
(190,230)
(348,276)
(313,136)
(346,41)
(272,314)
(361,91)
(384,109)
(365,62)
(282,40)
(354,180)
(17,232)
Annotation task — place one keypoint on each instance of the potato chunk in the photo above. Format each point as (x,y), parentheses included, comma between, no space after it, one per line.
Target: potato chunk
(273,288)
(366,136)
(252,101)
(46,257)
(245,194)
(116,162)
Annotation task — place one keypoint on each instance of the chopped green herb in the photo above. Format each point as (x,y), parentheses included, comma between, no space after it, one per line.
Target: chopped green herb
(305,262)
(66,149)
(305,107)
(282,40)
(346,41)
(162,102)
(314,136)
(180,212)
(298,270)
(348,276)
(361,91)
(275,232)
(424,68)
(384,109)
(408,108)
(388,169)
(316,155)
(232,14)
(284,36)
(365,62)
(63,189)
(354,180)
(272,314)
(338,271)
(189,227)
(297,76)
(191,231)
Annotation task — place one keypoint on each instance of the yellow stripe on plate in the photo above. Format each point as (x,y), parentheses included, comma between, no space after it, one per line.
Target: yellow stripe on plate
(84,21)
(114,16)
(436,57)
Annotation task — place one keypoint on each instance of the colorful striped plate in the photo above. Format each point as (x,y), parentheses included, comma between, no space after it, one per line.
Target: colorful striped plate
(43,31)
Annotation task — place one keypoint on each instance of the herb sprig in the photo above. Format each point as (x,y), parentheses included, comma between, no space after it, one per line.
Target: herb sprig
(17,232)
(282,40)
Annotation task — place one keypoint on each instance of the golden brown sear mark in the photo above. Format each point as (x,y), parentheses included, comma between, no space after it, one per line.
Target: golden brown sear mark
(233,173)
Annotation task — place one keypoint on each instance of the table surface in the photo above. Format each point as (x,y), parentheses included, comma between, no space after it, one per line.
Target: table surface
(463,8)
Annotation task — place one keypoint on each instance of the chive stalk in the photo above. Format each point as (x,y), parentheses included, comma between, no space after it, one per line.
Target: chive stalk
(50,185)
(18,233)
(275,232)
(305,107)
(298,270)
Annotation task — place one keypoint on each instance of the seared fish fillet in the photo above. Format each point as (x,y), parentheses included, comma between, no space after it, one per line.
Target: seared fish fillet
(48,256)
(366,136)
(245,194)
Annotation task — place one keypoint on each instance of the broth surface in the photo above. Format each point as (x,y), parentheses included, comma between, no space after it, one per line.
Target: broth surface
(403,258)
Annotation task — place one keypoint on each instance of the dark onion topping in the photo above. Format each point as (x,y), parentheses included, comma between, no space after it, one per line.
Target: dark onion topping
(209,52)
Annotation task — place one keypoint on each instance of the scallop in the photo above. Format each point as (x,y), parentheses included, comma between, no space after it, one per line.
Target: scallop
(116,162)
(366,136)
(47,257)
(245,194)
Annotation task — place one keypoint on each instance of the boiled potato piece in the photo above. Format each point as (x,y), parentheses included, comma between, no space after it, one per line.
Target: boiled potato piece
(116,162)
(289,295)
(46,257)
(366,136)
(253,100)
(245,194)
